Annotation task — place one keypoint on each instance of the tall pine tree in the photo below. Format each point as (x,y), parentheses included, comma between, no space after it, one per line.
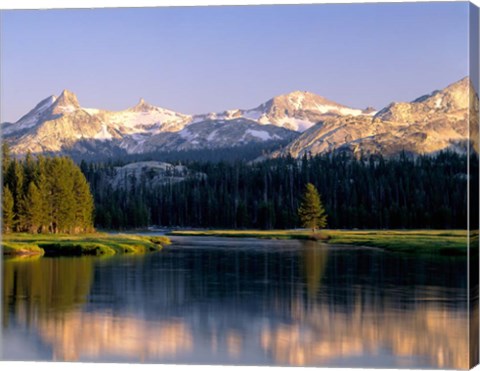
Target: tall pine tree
(30,209)
(311,211)
(7,210)
(83,211)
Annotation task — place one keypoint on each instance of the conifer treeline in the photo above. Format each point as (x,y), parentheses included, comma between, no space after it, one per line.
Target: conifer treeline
(425,192)
(45,195)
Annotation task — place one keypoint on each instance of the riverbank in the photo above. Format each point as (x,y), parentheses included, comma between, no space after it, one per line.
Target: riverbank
(78,245)
(445,242)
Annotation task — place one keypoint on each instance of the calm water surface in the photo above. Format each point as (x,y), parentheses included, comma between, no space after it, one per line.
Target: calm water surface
(239,301)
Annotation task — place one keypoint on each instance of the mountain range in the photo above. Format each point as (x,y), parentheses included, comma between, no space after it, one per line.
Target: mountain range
(306,122)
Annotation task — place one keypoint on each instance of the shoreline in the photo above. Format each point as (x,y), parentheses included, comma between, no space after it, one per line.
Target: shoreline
(94,244)
(438,242)
(441,242)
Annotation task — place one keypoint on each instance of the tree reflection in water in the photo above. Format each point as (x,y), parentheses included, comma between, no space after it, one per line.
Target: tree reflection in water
(282,303)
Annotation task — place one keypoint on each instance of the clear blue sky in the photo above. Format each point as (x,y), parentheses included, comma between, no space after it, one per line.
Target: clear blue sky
(204,59)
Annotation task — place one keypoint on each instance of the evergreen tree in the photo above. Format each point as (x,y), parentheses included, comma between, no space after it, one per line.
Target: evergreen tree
(369,192)
(83,203)
(46,195)
(30,210)
(45,192)
(7,210)
(311,211)
(61,195)
(30,169)
(14,181)
(5,158)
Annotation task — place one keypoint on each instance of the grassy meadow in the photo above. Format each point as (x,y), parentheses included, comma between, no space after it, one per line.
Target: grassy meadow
(83,244)
(445,242)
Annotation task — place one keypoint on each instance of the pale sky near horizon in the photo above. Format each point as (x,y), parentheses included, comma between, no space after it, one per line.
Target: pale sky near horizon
(204,59)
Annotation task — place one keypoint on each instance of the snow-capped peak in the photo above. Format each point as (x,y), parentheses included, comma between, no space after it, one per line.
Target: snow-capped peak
(298,110)
(32,118)
(43,105)
(67,102)
(57,123)
(143,106)
(67,98)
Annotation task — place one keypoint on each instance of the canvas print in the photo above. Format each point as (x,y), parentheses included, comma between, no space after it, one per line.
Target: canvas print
(286,185)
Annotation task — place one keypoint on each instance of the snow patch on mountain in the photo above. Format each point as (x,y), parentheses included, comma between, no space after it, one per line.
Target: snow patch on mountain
(254,115)
(186,134)
(263,135)
(103,134)
(33,117)
(92,111)
(297,101)
(211,136)
(147,121)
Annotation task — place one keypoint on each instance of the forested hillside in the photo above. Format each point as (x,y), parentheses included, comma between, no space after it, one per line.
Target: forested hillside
(45,195)
(371,192)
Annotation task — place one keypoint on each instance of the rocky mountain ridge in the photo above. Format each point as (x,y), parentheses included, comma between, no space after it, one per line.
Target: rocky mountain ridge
(310,123)
(431,123)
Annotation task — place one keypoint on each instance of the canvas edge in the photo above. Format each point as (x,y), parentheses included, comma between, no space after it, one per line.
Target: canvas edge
(473,189)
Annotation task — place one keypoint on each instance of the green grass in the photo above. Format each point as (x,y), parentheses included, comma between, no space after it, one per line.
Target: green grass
(273,234)
(78,245)
(443,242)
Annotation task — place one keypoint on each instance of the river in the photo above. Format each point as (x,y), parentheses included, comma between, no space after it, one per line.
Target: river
(209,300)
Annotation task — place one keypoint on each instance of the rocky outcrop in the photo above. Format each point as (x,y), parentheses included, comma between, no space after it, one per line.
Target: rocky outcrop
(429,124)
(154,172)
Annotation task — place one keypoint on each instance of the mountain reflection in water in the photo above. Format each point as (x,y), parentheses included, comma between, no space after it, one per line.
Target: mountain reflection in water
(231,301)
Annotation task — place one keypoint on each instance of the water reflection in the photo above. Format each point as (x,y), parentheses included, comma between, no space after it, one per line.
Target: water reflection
(36,286)
(228,301)
(313,263)
(82,335)
(320,336)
